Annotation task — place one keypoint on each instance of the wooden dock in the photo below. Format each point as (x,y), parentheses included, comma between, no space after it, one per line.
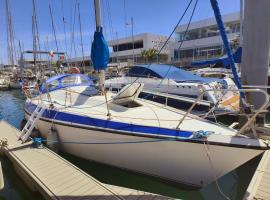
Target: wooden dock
(55,178)
(259,187)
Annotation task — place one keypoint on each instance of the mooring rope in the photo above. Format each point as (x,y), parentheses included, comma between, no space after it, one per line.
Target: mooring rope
(198,135)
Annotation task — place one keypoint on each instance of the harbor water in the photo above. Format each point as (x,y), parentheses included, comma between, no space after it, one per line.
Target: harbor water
(233,185)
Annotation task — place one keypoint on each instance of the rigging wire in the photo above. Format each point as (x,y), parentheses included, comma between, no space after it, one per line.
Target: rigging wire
(10,34)
(109,19)
(73,43)
(53,28)
(64,24)
(35,33)
(167,41)
(104,22)
(181,43)
(81,38)
(125,18)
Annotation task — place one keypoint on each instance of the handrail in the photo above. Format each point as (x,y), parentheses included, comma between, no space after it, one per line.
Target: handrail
(244,127)
(256,86)
(250,89)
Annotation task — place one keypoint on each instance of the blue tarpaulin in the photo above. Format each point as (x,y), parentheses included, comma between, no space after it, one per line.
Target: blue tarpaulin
(223,60)
(100,51)
(174,73)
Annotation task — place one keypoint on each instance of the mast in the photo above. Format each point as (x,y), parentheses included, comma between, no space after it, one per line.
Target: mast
(132,33)
(256,44)
(97,15)
(53,28)
(10,35)
(101,73)
(81,38)
(35,35)
(100,54)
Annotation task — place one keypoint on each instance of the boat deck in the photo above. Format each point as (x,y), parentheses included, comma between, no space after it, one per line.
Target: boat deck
(259,187)
(54,177)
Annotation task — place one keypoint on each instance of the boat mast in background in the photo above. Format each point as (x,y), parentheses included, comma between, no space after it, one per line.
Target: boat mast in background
(35,35)
(10,35)
(256,44)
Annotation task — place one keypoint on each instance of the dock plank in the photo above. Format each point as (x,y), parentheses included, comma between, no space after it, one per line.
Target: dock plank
(56,178)
(259,187)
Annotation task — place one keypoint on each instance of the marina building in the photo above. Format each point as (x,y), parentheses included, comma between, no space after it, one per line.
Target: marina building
(129,50)
(133,49)
(202,40)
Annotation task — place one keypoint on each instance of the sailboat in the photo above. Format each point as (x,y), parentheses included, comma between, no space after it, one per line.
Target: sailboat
(125,131)
(137,134)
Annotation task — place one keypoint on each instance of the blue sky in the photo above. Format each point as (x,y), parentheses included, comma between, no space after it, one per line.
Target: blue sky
(155,16)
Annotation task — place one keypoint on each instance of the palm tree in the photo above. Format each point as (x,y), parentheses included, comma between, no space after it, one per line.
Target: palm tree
(149,54)
(144,55)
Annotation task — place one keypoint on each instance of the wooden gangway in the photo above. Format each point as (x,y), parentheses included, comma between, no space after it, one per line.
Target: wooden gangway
(55,178)
(259,187)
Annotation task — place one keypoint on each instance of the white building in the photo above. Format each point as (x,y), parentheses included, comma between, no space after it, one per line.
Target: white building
(125,50)
(202,40)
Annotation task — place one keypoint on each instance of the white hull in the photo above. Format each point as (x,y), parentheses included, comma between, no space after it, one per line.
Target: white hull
(182,162)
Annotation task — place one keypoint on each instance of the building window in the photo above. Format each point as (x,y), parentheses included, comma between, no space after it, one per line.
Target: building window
(197,53)
(210,31)
(128,46)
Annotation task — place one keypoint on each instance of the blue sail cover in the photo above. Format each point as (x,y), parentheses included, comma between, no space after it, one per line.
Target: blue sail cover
(100,51)
(222,60)
(177,74)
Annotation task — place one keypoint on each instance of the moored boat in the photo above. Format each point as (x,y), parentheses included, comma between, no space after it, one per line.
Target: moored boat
(4,83)
(138,134)
(171,80)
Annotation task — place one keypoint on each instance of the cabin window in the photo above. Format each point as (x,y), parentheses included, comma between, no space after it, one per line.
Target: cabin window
(71,80)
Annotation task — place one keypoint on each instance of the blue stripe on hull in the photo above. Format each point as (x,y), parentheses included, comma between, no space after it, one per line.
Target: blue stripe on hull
(100,123)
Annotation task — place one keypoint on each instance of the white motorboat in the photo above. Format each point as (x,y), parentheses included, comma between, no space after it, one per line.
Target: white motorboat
(172,80)
(4,83)
(137,134)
